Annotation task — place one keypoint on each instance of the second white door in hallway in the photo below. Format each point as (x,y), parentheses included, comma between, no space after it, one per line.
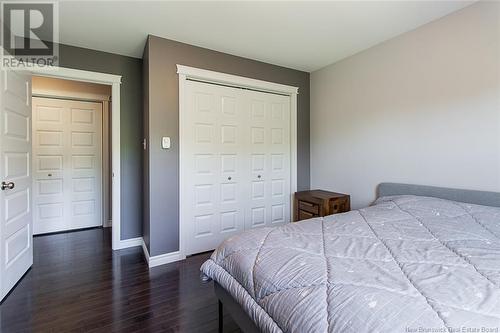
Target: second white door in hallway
(67,165)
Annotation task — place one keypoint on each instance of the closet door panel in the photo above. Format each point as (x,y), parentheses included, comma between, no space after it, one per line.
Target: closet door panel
(279,159)
(231,161)
(202,182)
(213,186)
(269,159)
(257,140)
(85,172)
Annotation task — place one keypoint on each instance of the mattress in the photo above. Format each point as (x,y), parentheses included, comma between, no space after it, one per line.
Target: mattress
(404,264)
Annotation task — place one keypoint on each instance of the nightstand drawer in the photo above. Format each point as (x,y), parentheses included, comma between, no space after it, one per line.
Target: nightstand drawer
(340,205)
(319,203)
(309,207)
(303,215)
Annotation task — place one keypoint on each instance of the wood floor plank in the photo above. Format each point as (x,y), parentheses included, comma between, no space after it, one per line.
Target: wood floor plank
(78,284)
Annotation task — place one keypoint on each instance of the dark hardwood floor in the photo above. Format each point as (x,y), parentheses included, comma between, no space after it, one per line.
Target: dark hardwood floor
(78,284)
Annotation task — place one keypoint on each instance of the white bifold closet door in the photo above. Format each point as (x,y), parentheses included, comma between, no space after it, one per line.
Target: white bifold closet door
(236,163)
(67,138)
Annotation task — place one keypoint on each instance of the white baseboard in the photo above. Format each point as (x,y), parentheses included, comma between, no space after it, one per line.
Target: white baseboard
(107,224)
(131,242)
(161,259)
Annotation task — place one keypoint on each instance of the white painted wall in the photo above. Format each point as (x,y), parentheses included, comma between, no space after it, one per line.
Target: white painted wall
(422,108)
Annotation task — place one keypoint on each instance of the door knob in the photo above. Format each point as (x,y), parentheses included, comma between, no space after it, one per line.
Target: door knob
(259,176)
(7,186)
(229,178)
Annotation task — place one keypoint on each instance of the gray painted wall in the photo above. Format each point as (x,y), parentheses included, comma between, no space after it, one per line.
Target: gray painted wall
(163,120)
(421,108)
(131,105)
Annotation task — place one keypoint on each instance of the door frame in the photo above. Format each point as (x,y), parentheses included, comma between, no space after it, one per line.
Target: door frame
(192,73)
(114,81)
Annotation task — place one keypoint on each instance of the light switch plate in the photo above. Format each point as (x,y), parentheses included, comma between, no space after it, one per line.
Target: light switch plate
(165,142)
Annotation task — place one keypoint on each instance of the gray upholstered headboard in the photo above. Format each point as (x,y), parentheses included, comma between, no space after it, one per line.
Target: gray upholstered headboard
(469,196)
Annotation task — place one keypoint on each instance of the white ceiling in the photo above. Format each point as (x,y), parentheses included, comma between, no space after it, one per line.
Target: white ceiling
(304,35)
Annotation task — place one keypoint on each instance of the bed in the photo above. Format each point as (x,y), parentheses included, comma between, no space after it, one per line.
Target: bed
(419,259)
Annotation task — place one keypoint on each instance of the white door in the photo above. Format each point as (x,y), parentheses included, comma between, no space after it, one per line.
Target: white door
(269,155)
(67,138)
(214,186)
(16,251)
(236,163)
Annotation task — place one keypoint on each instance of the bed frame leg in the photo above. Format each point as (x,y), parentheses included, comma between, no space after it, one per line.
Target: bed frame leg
(221,318)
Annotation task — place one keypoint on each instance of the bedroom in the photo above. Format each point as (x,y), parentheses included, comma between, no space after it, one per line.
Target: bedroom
(218,126)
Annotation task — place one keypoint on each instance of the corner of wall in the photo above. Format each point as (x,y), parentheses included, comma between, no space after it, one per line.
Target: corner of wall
(146,188)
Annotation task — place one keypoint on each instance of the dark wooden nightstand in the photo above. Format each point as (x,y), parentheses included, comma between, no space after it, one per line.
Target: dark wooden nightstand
(317,203)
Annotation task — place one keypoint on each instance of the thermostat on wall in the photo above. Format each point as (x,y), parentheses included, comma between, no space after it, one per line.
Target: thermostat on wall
(165,142)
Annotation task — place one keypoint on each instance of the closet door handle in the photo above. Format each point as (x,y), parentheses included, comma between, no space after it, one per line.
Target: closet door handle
(229,178)
(259,176)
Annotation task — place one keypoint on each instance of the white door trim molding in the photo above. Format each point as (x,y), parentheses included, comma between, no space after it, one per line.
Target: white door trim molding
(77,75)
(52,93)
(191,73)
(114,81)
(234,80)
